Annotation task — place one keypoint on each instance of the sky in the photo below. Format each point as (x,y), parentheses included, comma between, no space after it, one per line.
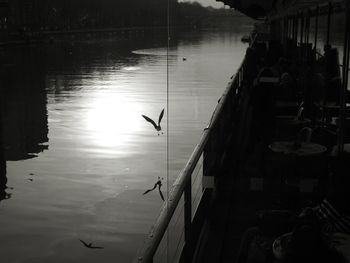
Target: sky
(212,3)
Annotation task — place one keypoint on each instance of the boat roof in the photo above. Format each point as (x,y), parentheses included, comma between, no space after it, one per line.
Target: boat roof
(261,9)
(289,8)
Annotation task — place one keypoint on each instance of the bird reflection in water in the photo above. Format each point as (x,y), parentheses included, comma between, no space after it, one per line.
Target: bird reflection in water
(89,245)
(156,126)
(159,184)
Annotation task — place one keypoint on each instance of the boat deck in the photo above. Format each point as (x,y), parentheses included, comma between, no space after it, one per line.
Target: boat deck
(235,211)
(267,176)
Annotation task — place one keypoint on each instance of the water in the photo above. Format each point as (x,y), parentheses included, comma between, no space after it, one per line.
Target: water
(80,155)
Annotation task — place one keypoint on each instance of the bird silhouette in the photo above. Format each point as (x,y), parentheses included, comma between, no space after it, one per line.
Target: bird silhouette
(159,184)
(184,59)
(157,127)
(89,245)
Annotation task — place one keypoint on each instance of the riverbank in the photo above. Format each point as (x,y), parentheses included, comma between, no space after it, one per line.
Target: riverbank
(35,37)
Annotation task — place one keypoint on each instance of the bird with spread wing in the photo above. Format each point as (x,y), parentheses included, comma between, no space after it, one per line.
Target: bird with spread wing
(156,126)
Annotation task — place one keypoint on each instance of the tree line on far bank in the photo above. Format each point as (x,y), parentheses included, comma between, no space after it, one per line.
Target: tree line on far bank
(81,14)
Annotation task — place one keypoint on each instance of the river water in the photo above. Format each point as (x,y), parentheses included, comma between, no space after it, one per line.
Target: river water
(79,154)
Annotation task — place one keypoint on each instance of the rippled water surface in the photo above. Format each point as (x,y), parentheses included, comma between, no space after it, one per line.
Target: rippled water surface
(79,154)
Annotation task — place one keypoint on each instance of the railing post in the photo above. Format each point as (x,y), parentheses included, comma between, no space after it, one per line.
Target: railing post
(329,22)
(342,112)
(307,26)
(188,221)
(316,27)
(285,30)
(296,29)
(302,24)
(289,27)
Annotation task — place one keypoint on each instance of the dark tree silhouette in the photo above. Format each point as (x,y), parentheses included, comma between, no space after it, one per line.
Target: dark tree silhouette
(37,15)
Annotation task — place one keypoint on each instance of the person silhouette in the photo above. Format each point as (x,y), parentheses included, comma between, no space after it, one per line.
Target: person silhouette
(3,177)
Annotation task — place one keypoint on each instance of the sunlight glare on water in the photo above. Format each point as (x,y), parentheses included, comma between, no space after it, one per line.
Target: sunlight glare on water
(112,119)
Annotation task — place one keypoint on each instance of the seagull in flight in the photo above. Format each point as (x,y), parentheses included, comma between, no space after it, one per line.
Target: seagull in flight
(89,245)
(157,127)
(159,184)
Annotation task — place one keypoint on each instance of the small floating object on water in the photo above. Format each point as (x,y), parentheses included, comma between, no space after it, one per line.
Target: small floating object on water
(159,184)
(89,245)
(184,59)
(245,39)
(156,126)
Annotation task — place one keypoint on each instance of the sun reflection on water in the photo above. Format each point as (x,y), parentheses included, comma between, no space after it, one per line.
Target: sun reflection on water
(113,119)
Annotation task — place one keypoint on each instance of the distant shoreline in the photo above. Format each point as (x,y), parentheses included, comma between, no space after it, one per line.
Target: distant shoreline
(50,36)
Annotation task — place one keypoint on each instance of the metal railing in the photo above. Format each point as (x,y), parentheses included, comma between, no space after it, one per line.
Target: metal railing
(183,208)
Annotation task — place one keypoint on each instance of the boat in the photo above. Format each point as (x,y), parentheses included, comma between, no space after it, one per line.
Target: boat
(278,138)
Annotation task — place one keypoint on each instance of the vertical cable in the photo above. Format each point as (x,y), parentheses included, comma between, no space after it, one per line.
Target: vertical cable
(167,115)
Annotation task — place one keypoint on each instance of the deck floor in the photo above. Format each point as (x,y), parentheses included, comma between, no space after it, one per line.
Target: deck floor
(232,216)
(235,211)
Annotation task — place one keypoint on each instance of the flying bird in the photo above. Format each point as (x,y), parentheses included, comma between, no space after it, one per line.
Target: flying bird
(89,245)
(157,127)
(159,184)
(184,59)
